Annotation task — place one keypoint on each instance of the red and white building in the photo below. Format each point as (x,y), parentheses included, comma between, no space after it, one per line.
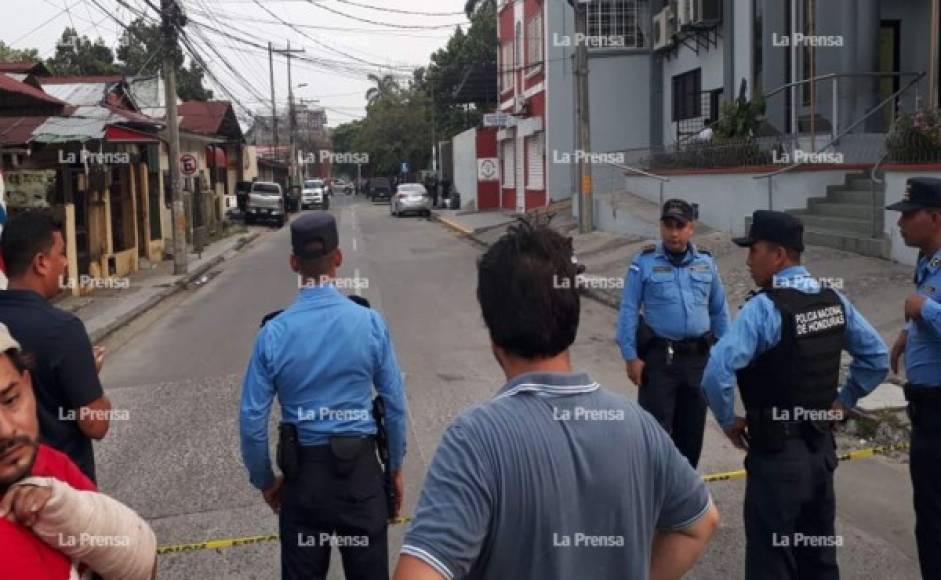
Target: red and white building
(521,79)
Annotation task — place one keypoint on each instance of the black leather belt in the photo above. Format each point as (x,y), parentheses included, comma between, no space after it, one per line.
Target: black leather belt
(698,345)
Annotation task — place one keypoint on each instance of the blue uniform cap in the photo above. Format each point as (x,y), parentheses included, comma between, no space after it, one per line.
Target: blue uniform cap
(920,193)
(776,227)
(317,227)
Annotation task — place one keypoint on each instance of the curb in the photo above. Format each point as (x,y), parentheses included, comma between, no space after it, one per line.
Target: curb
(177,286)
(452,224)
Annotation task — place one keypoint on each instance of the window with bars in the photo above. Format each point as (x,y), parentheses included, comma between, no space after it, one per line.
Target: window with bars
(509,165)
(624,20)
(506,66)
(687,100)
(534,43)
(535,162)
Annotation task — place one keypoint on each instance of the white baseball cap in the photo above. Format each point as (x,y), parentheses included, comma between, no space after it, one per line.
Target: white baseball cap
(6,340)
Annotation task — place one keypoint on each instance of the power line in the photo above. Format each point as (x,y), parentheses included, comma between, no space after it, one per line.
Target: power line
(388,24)
(44,23)
(413,13)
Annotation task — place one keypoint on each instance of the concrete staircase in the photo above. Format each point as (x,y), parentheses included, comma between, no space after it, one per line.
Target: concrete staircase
(843,219)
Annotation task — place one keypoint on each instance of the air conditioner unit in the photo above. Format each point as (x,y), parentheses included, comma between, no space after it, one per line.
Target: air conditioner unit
(662,35)
(700,11)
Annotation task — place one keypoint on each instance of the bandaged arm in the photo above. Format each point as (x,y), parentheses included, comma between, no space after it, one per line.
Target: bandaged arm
(97,530)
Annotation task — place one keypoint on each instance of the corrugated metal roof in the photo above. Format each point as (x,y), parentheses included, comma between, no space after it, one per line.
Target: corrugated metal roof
(18,130)
(12,85)
(85,123)
(80,94)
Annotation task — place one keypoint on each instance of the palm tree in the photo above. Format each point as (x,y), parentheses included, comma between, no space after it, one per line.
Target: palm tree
(386,85)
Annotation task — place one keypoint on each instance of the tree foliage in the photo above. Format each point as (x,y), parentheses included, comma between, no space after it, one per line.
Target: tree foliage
(9,54)
(79,55)
(403,122)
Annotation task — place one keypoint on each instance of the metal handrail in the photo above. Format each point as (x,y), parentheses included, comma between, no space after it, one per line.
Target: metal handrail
(661,178)
(839,75)
(871,112)
(846,131)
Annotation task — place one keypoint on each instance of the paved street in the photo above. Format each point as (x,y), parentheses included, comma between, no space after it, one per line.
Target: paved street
(177,461)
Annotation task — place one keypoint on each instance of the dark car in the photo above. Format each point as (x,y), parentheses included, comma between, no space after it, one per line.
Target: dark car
(380,188)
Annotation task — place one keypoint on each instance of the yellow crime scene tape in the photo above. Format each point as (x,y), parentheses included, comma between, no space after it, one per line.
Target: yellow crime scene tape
(850,456)
(236,542)
(713,478)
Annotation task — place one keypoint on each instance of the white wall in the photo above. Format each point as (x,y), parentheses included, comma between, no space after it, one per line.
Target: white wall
(726,199)
(465,166)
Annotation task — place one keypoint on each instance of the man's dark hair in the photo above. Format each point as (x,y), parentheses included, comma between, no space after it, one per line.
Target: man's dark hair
(24,236)
(315,268)
(527,290)
(21,362)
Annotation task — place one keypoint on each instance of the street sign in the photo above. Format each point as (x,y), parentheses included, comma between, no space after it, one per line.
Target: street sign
(189,165)
(501,120)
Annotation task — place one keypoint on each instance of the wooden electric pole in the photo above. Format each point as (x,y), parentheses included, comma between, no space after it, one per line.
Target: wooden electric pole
(171,17)
(582,100)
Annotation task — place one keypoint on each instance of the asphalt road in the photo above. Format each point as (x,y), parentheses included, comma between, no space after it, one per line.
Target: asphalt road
(177,372)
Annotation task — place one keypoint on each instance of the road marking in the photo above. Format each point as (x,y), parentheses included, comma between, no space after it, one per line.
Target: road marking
(354,244)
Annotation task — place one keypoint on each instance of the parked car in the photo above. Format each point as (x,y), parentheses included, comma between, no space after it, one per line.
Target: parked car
(345,187)
(266,203)
(313,195)
(410,197)
(379,188)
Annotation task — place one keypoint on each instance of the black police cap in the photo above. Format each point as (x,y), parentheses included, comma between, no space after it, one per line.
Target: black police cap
(315,227)
(776,227)
(678,209)
(920,193)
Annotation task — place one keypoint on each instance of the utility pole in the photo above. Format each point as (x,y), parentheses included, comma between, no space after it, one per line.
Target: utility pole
(292,121)
(933,54)
(274,109)
(171,17)
(585,198)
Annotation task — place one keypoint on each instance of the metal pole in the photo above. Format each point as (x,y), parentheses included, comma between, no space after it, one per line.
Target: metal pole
(794,89)
(274,109)
(292,124)
(836,108)
(812,30)
(586,201)
(933,56)
(170,17)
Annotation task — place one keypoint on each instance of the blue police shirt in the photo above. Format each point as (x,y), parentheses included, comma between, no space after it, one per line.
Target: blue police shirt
(923,349)
(679,302)
(321,357)
(758,329)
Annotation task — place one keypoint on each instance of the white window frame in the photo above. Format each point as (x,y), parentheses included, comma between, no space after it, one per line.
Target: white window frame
(506,67)
(535,46)
(536,150)
(508,165)
(621,18)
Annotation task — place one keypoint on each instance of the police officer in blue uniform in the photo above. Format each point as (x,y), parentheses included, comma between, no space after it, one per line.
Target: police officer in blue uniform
(785,348)
(678,288)
(322,358)
(920,341)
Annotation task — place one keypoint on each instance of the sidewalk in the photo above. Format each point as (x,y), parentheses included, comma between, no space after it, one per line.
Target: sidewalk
(106,310)
(877,288)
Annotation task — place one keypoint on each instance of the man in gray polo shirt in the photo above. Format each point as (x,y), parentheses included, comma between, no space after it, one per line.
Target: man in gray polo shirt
(554,477)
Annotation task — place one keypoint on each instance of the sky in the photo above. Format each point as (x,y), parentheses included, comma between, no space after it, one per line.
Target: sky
(343,41)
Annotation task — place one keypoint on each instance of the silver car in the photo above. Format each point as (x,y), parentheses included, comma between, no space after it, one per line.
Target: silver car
(265,203)
(410,197)
(313,194)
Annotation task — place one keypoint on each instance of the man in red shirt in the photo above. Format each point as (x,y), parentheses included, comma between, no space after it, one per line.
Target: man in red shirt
(22,554)
(45,499)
